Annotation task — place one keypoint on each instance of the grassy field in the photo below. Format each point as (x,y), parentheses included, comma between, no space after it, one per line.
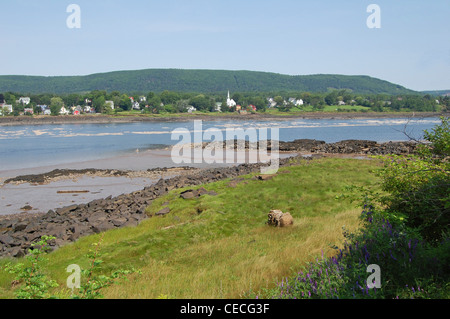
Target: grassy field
(272,111)
(219,246)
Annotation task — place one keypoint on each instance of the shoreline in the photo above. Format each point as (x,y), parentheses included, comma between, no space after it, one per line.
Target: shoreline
(69,223)
(100,118)
(94,203)
(49,187)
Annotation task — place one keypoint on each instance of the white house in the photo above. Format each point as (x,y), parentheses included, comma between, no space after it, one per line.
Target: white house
(190,109)
(230,102)
(8,108)
(24,100)
(63,111)
(296,102)
(272,102)
(135,105)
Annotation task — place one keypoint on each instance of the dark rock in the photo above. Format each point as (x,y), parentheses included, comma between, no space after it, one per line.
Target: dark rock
(32,227)
(16,252)
(56,230)
(119,221)
(67,209)
(8,240)
(131,222)
(19,226)
(187,194)
(78,230)
(102,226)
(51,214)
(163,211)
(265,177)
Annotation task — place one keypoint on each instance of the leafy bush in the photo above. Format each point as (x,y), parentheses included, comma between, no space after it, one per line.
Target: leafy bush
(405,232)
(35,285)
(418,186)
(91,288)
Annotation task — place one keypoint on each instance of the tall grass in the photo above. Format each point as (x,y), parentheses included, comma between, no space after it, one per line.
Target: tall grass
(219,246)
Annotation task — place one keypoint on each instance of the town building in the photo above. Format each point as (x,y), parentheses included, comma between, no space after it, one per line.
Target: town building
(230,102)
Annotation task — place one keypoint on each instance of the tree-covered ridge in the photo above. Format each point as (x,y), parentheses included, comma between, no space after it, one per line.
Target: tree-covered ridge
(207,81)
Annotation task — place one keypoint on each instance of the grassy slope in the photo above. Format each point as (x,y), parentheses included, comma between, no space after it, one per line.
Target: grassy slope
(227,249)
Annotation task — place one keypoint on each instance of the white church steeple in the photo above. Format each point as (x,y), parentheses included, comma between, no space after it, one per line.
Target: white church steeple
(230,102)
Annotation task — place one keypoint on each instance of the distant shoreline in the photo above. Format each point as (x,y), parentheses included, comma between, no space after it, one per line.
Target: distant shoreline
(99,119)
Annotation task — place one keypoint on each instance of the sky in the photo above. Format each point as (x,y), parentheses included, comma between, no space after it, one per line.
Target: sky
(411,47)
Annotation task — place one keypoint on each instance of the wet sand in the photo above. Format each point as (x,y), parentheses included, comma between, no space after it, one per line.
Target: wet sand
(77,189)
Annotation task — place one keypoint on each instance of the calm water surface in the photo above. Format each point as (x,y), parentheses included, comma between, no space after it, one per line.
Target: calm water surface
(45,145)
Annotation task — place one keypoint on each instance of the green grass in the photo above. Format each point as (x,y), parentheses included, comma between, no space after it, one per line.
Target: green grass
(219,246)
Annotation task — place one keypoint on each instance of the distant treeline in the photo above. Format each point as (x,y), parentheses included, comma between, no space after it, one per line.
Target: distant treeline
(179,102)
(205,81)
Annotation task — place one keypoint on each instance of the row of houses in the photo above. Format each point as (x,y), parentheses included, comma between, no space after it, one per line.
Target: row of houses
(291,100)
(8,108)
(270,102)
(135,105)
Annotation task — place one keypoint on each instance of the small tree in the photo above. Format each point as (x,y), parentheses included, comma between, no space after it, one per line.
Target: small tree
(56,103)
(419,185)
(35,283)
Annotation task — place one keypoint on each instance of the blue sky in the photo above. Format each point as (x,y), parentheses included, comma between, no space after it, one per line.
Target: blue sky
(411,48)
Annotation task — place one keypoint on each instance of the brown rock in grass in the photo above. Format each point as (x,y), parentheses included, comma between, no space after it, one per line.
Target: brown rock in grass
(279,219)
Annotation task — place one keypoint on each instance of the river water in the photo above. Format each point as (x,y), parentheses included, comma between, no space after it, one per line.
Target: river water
(49,145)
(35,149)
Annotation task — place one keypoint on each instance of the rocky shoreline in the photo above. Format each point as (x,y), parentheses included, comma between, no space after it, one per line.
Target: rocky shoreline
(362,147)
(67,224)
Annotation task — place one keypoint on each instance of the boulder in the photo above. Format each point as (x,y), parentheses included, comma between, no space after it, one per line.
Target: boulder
(101,227)
(8,240)
(187,194)
(118,221)
(19,226)
(279,219)
(163,211)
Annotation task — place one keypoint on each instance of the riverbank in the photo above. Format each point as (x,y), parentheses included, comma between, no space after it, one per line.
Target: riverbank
(216,244)
(67,224)
(48,187)
(101,118)
(70,222)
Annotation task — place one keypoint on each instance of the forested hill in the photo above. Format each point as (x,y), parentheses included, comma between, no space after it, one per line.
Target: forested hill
(205,81)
